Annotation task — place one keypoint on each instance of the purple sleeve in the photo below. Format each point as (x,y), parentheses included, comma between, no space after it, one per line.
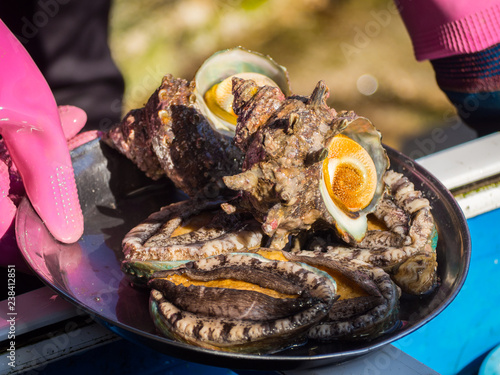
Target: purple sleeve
(442,28)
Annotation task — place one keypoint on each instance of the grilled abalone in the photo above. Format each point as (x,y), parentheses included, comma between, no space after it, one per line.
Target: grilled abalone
(185,231)
(368,299)
(240,302)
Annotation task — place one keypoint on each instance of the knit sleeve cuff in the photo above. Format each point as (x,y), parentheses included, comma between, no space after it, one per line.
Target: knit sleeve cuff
(471,33)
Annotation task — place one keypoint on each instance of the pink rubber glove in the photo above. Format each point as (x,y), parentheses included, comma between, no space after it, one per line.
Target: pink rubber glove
(30,126)
(12,189)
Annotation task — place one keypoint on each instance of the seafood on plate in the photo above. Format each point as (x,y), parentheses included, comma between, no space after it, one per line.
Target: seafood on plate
(185,231)
(310,234)
(406,248)
(240,302)
(368,300)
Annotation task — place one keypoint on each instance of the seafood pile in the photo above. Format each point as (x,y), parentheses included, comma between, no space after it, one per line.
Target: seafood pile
(295,227)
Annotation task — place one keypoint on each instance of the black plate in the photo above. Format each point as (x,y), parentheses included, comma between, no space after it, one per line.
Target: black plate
(116,196)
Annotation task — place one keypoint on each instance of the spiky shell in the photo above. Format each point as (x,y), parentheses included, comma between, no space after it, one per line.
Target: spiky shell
(285,142)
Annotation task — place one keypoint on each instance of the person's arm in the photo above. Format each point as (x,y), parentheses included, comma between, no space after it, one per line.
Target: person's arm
(461,38)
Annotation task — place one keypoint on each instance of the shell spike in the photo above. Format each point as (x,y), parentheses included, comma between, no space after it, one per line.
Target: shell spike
(247,181)
(319,95)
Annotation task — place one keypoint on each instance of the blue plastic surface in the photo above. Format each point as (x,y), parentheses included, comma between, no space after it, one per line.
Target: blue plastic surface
(470,326)
(491,365)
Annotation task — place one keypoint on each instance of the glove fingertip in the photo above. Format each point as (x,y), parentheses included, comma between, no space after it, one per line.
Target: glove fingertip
(73,120)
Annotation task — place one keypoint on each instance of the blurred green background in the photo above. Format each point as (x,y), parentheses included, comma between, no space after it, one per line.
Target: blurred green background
(359,48)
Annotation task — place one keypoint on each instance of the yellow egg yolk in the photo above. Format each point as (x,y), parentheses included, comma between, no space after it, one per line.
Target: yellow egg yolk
(349,173)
